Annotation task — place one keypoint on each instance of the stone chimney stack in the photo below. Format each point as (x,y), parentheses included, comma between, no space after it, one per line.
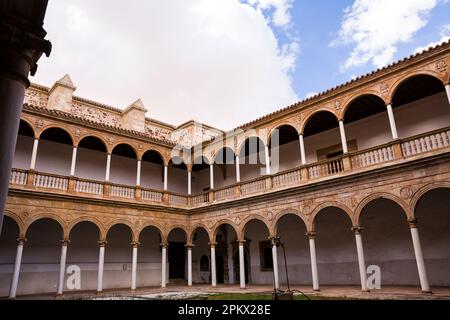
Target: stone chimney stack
(133,117)
(60,95)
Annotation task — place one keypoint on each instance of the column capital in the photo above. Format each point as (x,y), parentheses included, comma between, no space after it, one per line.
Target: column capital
(212,244)
(164,244)
(102,243)
(135,244)
(447,84)
(413,223)
(311,235)
(242,242)
(189,246)
(65,242)
(357,229)
(275,240)
(21,240)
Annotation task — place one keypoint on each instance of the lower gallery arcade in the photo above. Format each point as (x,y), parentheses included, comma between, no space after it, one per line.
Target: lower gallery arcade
(397,221)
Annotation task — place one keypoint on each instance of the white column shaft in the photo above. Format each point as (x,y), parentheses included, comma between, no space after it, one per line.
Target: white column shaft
(15,278)
(134,268)
(241,266)
(267,154)
(108,166)
(138,173)
(74,161)
(275,266)
(302,149)
(101,262)
(34,154)
(189,266)
(62,268)
(189,183)
(315,274)
(392,122)
(165,177)
(163,266)
(211,176)
(419,259)
(361,261)
(238,170)
(343,137)
(447,89)
(213,267)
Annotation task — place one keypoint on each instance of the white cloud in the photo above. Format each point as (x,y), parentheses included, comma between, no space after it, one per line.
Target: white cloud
(445,36)
(376,27)
(281,16)
(215,61)
(311,95)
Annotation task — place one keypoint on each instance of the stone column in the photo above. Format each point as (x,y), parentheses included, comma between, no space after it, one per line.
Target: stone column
(238,170)
(276,274)
(138,173)
(101,263)
(135,245)
(312,249)
(213,265)
(242,264)
(447,89)
(189,254)
(419,257)
(16,273)
(302,149)
(189,182)
(392,122)
(165,177)
(163,264)
(343,136)
(108,167)
(211,176)
(361,260)
(74,161)
(34,154)
(267,155)
(62,266)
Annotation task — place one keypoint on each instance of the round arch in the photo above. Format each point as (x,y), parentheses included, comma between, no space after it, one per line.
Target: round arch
(153,152)
(122,222)
(150,225)
(125,145)
(316,212)
(367,104)
(287,212)
(349,101)
(60,131)
(195,228)
(91,137)
(223,153)
(177,227)
(221,223)
(20,224)
(384,195)
(423,191)
(249,219)
(314,114)
(77,221)
(61,223)
(26,125)
(244,141)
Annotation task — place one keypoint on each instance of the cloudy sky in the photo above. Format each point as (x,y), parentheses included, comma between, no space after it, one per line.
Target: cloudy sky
(227,62)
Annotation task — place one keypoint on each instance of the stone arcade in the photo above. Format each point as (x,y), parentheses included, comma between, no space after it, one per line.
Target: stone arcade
(362,178)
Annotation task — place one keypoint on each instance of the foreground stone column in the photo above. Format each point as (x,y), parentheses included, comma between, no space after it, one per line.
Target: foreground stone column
(62,266)
(361,260)
(211,176)
(189,182)
(276,275)
(163,264)
(134,264)
(34,154)
(302,149)
(267,155)
(165,177)
(419,257)
(138,173)
(189,254)
(312,249)
(241,264)
(213,265)
(101,262)
(447,89)
(392,122)
(343,136)
(17,264)
(108,167)
(74,161)
(238,170)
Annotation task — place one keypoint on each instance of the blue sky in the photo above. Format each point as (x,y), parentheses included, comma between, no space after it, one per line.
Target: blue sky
(228,62)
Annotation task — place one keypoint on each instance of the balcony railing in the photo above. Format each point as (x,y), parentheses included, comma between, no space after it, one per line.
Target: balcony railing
(424,145)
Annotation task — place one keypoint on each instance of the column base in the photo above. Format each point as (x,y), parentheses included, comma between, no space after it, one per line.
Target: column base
(427,292)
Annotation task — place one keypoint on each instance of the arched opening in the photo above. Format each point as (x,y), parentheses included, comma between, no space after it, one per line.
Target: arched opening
(177,256)
(284,149)
(8,247)
(149,258)
(322,137)
(201,271)
(420,105)
(337,259)
(227,265)
(200,175)
(292,232)
(224,168)
(433,214)
(387,242)
(259,248)
(91,159)
(252,160)
(366,123)
(118,257)
(41,257)
(82,252)
(24,146)
(123,165)
(55,152)
(152,170)
(177,176)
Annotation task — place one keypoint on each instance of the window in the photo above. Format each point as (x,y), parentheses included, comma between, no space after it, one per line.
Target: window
(265,254)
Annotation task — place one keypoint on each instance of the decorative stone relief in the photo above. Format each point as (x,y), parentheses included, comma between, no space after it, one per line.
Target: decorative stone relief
(406,193)
(36,98)
(441,66)
(156,132)
(384,88)
(337,105)
(95,115)
(39,124)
